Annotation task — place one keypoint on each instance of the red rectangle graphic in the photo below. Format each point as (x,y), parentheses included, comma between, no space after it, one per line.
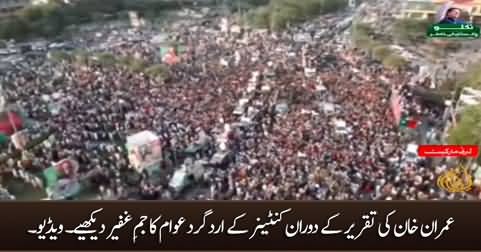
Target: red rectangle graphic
(448,150)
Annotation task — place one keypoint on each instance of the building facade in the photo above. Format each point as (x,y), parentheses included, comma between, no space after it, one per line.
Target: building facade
(423,9)
(8,7)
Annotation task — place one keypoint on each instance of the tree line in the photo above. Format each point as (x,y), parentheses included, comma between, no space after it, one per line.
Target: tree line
(364,37)
(107,59)
(279,14)
(49,20)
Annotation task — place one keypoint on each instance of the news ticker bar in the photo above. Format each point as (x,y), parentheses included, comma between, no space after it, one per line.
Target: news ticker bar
(241,225)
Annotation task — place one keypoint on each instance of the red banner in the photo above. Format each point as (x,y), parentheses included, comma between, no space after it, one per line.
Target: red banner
(448,150)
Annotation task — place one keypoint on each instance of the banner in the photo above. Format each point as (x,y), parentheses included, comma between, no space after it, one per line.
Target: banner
(66,168)
(144,150)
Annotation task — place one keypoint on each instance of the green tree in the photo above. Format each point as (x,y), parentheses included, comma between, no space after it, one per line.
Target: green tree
(305,8)
(328,6)
(281,16)
(80,57)
(51,19)
(106,59)
(132,64)
(14,27)
(59,56)
(381,52)
(468,129)
(312,7)
(410,30)
(279,13)
(157,70)
(32,13)
(260,17)
(472,76)
(362,37)
(394,61)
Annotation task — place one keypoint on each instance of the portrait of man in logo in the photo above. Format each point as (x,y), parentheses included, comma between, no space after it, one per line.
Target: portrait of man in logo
(455,12)
(452,16)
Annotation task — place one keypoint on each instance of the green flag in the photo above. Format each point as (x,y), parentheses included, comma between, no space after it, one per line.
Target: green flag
(3,138)
(403,122)
(164,51)
(51,176)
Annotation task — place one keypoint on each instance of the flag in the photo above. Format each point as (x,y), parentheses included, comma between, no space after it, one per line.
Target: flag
(412,123)
(9,123)
(50,176)
(3,138)
(407,122)
(163,51)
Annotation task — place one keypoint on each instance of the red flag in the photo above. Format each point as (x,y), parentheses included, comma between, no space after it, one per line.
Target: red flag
(9,122)
(411,123)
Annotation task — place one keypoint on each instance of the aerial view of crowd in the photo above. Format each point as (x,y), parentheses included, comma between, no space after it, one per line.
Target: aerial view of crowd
(268,117)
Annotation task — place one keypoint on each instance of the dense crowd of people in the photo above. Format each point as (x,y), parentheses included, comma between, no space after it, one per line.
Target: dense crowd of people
(327,134)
